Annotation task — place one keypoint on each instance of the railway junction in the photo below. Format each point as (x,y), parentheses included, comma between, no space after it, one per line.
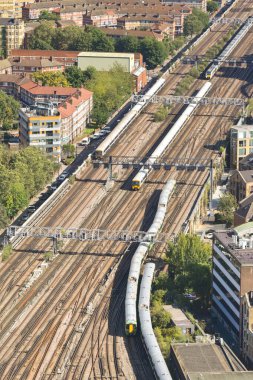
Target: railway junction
(65,319)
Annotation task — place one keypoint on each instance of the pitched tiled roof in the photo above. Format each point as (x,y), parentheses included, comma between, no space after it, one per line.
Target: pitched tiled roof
(36,89)
(43,53)
(67,108)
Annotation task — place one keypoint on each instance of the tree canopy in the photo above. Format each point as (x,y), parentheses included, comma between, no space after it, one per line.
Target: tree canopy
(9,108)
(54,78)
(226,206)
(189,262)
(22,175)
(212,6)
(46,15)
(195,22)
(93,39)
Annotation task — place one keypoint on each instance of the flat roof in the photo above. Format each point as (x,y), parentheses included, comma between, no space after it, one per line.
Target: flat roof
(244,256)
(206,358)
(106,55)
(177,316)
(246,375)
(243,127)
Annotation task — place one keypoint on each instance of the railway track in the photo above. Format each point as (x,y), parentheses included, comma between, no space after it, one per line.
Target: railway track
(34,340)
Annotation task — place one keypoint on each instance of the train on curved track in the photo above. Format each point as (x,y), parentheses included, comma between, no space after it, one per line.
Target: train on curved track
(150,343)
(138,257)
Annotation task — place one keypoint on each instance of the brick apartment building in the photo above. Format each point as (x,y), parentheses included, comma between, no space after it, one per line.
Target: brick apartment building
(31,93)
(128,15)
(66,58)
(241,184)
(30,66)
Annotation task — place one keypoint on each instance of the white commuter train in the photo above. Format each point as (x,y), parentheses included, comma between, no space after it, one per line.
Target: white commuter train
(141,176)
(230,47)
(139,255)
(155,356)
(127,119)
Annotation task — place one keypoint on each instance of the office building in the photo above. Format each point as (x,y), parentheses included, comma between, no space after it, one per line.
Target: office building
(232,277)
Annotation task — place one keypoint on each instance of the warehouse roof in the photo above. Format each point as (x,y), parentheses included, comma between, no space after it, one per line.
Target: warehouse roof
(221,376)
(105,55)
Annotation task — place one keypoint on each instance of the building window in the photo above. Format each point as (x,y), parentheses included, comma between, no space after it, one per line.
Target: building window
(242,143)
(242,151)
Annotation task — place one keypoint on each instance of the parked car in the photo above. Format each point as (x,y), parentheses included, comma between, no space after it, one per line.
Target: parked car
(85,141)
(31,208)
(63,176)
(104,132)
(53,187)
(95,136)
(25,217)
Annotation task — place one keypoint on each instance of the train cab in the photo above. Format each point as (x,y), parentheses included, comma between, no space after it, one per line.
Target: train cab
(131,329)
(136,184)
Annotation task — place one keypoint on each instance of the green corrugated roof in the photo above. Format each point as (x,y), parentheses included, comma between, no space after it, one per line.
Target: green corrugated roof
(243,227)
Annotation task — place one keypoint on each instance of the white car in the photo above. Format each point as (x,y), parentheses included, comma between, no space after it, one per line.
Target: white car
(62,176)
(85,141)
(95,136)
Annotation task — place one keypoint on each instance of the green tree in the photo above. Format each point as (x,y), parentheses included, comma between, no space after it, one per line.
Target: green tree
(54,78)
(154,52)
(195,22)
(110,90)
(192,25)
(212,6)
(42,36)
(65,38)
(75,76)
(22,175)
(9,108)
(128,44)
(68,150)
(226,206)
(49,16)
(100,42)
(4,220)
(161,114)
(7,251)
(189,262)
(16,199)
(48,256)
(160,317)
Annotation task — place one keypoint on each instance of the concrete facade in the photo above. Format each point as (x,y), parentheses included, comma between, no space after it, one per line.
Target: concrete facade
(48,126)
(247,316)
(232,277)
(241,143)
(12,32)
(41,128)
